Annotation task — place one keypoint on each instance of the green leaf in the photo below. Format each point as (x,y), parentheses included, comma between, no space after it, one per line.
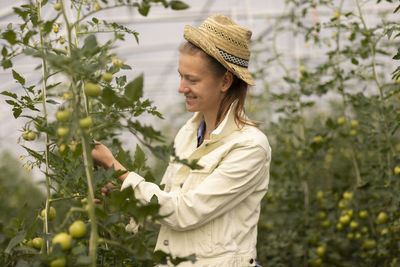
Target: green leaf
(78,250)
(18,77)
(397,56)
(90,46)
(178,5)
(134,89)
(6,64)
(354,61)
(10,36)
(17,112)
(140,157)
(51,101)
(12,103)
(83,260)
(144,9)
(22,13)
(288,79)
(108,96)
(15,241)
(9,94)
(4,51)
(28,36)
(397,9)
(32,229)
(126,67)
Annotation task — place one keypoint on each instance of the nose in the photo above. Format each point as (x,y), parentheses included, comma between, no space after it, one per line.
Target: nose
(183,88)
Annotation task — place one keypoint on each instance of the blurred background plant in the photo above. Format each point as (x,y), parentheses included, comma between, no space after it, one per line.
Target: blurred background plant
(332,118)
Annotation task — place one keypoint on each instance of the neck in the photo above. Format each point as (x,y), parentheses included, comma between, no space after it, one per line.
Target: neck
(210,124)
(210,120)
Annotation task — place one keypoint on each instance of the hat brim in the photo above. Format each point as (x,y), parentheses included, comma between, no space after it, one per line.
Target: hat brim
(196,37)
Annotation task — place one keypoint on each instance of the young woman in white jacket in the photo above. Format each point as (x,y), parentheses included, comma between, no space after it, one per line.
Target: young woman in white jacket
(213,211)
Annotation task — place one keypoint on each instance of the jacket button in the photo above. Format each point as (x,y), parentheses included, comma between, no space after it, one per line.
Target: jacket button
(165,242)
(251,261)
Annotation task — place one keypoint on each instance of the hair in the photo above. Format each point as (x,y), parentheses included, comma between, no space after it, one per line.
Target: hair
(237,90)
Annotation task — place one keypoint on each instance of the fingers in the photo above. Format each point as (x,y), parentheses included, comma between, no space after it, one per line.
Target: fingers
(107,188)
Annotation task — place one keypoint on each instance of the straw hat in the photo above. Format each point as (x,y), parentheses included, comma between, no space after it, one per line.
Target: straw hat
(226,41)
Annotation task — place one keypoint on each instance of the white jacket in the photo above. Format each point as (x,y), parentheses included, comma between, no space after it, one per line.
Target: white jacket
(213,211)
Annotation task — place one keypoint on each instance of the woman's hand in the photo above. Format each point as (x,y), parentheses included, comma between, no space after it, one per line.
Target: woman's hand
(102,156)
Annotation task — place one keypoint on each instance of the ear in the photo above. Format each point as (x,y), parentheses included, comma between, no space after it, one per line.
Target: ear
(227,80)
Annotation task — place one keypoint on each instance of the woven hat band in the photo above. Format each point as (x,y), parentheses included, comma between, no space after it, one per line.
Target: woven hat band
(233,59)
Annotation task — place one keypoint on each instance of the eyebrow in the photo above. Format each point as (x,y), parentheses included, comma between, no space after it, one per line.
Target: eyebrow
(188,75)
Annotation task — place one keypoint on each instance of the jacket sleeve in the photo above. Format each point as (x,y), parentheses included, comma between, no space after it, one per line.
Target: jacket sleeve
(238,175)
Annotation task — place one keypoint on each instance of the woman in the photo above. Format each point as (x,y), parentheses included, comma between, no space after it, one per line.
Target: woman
(213,211)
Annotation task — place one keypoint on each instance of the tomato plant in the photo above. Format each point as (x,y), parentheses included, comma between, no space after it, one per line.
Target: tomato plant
(331,114)
(81,96)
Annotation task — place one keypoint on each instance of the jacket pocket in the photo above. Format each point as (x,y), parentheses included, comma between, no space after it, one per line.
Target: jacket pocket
(197,176)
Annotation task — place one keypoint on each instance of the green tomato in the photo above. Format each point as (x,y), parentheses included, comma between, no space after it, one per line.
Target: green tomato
(29,243)
(320,195)
(107,76)
(77,229)
(63,239)
(321,214)
(326,224)
(358,236)
(343,203)
(318,139)
(37,242)
(382,218)
(62,131)
(51,215)
(345,219)
(397,170)
(350,236)
(363,214)
(369,244)
(57,6)
(92,89)
(347,195)
(321,250)
(62,115)
(364,229)
(353,225)
(31,136)
(25,135)
(317,262)
(59,262)
(86,122)
(384,231)
(341,120)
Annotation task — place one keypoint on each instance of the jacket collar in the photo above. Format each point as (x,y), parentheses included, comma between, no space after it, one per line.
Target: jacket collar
(226,127)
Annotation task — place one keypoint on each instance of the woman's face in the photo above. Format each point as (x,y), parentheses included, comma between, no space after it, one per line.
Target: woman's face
(202,89)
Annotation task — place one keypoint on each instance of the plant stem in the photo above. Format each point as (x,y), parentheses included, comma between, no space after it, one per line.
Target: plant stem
(47,143)
(343,94)
(93,241)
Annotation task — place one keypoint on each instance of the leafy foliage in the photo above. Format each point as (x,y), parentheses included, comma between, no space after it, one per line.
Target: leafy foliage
(334,137)
(81,77)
